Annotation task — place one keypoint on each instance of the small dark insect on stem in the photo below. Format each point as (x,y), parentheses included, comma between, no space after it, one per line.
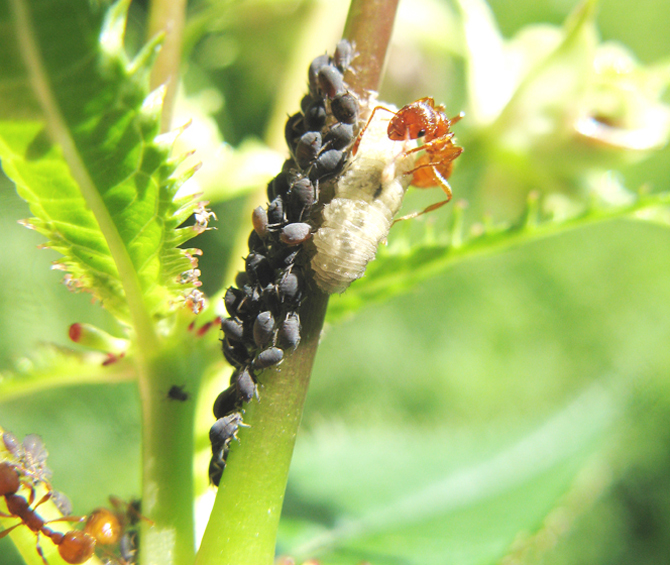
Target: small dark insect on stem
(178,393)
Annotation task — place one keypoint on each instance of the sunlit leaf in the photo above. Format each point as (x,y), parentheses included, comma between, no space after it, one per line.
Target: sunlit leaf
(399,267)
(465,502)
(104,195)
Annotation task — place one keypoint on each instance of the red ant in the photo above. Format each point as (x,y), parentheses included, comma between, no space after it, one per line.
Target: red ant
(73,546)
(424,119)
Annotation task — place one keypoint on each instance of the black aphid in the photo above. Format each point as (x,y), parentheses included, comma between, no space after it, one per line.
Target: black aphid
(313,73)
(330,81)
(224,429)
(263,328)
(233,329)
(327,164)
(178,393)
(288,335)
(339,136)
(294,234)
(245,386)
(268,358)
(227,402)
(259,219)
(345,108)
(308,148)
(344,54)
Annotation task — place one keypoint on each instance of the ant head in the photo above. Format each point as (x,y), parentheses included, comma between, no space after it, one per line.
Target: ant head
(414,121)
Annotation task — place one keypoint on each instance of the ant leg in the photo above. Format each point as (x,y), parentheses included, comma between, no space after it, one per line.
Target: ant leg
(3,533)
(359,137)
(442,183)
(443,148)
(31,498)
(132,510)
(38,547)
(77,519)
(436,146)
(424,211)
(440,180)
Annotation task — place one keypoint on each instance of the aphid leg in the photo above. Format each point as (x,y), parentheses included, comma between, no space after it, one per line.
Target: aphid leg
(359,137)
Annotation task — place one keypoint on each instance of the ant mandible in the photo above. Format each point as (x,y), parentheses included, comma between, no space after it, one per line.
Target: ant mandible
(423,118)
(74,546)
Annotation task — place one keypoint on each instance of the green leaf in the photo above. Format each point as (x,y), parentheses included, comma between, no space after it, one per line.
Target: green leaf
(92,167)
(464,503)
(400,267)
(50,365)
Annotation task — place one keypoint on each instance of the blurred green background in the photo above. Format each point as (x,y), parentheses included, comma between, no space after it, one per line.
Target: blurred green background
(441,378)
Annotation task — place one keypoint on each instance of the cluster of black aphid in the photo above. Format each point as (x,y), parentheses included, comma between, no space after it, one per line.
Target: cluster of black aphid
(263,306)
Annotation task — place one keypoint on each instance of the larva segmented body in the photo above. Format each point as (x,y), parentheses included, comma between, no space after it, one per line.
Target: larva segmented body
(359,217)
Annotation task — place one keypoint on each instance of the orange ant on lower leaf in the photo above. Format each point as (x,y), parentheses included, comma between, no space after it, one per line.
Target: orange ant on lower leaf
(424,119)
(73,546)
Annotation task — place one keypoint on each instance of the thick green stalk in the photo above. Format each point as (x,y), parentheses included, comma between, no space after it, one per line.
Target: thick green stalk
(168,425)
(243,526)
(167,455)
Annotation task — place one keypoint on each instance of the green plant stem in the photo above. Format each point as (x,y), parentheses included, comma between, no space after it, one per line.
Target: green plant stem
(244,521)
(369,26)
(167,455)
(167,16)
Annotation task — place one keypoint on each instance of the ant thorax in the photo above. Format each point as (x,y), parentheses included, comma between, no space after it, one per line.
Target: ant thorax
(366,198)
